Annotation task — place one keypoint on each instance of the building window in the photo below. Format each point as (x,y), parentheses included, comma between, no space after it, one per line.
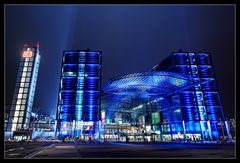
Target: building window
(29,68)
(21,90)
(29,74)
(17,107)
(25,96)
(14,127)
(19,101)
(24,74)
(25,90)
(31,59)
(23,102)
(20,120)
(30,64)
(16,113)
(15,120)
(25,69)
(22,107)
(25,64)
(23,80)
(26,84)
(21,84)
(27,79)
(27,59)
(19,96)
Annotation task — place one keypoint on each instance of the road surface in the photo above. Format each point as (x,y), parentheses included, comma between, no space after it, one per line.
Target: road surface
(117,150)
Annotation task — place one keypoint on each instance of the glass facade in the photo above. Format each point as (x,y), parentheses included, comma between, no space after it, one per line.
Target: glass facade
(79,94)
(200,106)
(178,100)
(23,97)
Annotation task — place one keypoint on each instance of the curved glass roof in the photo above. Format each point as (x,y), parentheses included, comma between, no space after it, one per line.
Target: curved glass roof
(123,93)
(148,82)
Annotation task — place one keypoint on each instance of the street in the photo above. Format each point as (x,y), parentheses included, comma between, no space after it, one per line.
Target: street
(118,150)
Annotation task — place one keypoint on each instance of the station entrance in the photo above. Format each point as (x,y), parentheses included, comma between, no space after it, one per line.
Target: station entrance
(156,106)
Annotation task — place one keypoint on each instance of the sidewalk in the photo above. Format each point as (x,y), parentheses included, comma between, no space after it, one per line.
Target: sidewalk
(59,151)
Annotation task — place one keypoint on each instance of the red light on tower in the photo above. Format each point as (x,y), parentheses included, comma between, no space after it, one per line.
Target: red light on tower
(37,45)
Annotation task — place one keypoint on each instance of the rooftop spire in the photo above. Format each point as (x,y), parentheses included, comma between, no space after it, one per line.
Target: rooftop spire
(37,45)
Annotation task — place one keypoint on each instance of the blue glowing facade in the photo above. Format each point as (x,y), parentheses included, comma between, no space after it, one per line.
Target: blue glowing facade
(177,100)
(79,94)
(201,108)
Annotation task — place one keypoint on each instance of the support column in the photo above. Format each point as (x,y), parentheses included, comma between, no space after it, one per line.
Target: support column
(209,129)
(202,135)
(228,133)
(184,131)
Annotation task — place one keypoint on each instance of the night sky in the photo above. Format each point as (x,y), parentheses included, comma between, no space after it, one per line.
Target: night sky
(132,38)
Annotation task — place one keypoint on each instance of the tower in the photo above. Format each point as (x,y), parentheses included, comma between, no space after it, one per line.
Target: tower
(23,97)
(201,106)
(79,94)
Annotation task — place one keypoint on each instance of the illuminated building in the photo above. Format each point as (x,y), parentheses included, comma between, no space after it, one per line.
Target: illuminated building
(23,97)
(79,104)
(200,106)
(178,100)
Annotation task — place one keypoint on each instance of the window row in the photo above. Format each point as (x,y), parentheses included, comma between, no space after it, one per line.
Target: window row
(20,96)
(18,114)
(21,67)
(22,90)
(25,74)
(25,79)
(16,119)
(18,107)
(14,126)
(21,102)
(28,64)
(24,84)
(27,68)
(28,59)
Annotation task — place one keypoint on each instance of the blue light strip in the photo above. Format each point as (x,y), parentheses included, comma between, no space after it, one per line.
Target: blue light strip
(79,92)
(206,98)
(92,81)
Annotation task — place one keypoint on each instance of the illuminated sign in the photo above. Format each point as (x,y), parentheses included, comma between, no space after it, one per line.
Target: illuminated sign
(155,118)
(27,54)
(103,117)
(88,123)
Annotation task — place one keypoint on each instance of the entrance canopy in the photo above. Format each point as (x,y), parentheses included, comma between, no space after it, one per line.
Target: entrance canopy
(148,82)
(126,92)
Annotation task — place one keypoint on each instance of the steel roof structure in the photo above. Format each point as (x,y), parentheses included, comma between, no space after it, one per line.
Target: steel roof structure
(148,82)
(119,93)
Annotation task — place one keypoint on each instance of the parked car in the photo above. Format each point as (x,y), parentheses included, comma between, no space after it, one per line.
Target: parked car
(54,140)
(12,140)
(68,140)
(41,140)
(29,141)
